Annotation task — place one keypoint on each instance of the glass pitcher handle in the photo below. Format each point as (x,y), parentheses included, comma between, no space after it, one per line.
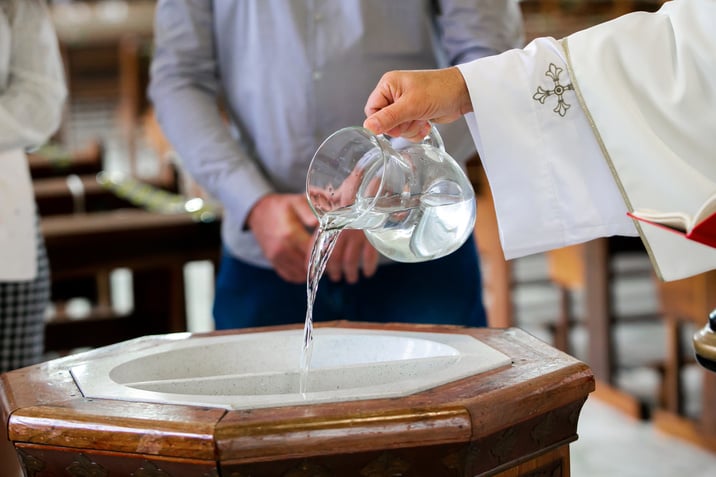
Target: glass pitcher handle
(434,139)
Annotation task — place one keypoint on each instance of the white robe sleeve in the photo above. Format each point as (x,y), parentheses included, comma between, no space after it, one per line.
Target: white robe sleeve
(648,82)
(551,185)
(625,118)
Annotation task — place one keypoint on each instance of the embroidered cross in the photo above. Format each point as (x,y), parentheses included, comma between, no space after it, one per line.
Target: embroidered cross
(542,94)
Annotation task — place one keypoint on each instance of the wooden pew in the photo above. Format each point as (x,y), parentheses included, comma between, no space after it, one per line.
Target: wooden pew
(557,18)
(687,304)
(155,247)
(75,209)
(135,52)
(74,194)
(588,268)
(89,36)
(84,194)
(497,280)
(55,160)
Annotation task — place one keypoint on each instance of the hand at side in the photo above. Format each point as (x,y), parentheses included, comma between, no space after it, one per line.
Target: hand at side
(281,224)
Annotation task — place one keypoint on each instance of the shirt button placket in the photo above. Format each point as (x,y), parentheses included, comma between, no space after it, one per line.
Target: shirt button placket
(317,58)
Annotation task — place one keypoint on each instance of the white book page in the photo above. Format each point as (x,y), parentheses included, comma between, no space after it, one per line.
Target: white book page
(676,220)
(706,210)
(679,220)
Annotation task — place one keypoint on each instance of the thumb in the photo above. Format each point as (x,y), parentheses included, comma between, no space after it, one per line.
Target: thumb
(385,122)
(374,122)
(393,120)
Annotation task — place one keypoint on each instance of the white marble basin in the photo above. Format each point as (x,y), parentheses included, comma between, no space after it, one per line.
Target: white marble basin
(255,370)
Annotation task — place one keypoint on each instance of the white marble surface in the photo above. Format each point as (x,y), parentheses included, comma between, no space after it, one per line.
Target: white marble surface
(263,369)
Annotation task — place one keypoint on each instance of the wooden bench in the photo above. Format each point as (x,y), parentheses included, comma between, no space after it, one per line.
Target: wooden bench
(89,36)
(84,194)
(154,247)
(55,160)
(589,269)
(686,304)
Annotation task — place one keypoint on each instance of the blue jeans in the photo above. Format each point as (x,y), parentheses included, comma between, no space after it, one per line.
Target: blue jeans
(443,291)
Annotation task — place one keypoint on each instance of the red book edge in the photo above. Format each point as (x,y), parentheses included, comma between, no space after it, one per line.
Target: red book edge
(704,232)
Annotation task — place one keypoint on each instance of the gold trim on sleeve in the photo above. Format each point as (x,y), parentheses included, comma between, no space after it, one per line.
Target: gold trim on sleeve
(565,45)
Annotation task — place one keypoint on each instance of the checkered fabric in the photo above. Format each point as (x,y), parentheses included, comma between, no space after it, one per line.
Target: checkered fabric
(22,315)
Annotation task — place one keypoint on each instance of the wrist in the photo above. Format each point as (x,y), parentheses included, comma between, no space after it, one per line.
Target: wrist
(254,214)
(459,86)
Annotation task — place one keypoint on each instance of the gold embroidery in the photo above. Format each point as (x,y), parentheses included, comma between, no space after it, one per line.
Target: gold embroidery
(559,89)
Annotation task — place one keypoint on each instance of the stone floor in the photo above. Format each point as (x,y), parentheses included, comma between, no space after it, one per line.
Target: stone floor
(613,445)
(610,443)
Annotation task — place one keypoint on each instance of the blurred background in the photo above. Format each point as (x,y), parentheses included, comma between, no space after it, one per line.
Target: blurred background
(122,266)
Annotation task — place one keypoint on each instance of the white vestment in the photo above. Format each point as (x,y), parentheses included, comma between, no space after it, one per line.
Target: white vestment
(621,116)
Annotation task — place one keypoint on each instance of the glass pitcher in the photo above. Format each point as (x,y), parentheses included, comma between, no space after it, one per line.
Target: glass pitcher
(412,200)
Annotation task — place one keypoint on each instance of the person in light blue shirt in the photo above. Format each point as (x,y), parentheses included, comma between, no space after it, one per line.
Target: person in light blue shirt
(247,90)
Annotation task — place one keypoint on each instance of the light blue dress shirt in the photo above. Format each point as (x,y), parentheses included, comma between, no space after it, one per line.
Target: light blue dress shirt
(291,72)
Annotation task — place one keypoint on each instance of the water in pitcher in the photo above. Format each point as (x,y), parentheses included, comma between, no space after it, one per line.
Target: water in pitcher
(426,227)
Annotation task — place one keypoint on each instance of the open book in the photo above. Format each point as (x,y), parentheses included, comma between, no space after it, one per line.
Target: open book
(701,227)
